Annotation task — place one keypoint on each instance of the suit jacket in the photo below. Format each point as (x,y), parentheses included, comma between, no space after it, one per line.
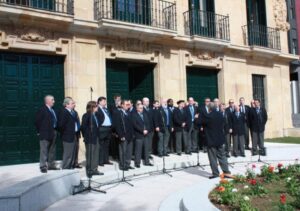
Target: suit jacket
(139,124)
(189,116)
(43,124)
(160,119)
(100,115)
(89,129)
(247,113)
(150,112)
(227,121)
(179,118)
(238,124)
(66,125)
(258,120)
(123,125)
(214,125)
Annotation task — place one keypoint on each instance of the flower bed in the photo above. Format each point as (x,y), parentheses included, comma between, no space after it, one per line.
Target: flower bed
(274,188)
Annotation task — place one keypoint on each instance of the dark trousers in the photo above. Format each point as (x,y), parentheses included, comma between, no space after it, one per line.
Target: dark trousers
(163,142)
(202,140)
(150,142)
(125,152)
(228,143)
(68,155)
(104,141)
(141,144)
(247,139)
(172,142)
(239,145)
(258,140)
(193,137)
(181,136)
(48,152)
(92,158)
(76,151)
(217,155)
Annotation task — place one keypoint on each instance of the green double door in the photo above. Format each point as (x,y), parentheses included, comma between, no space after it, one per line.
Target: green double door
(201,83)
(24,80)
(132,80)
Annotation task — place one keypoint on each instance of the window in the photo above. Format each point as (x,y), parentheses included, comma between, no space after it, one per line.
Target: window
(258,88)
(295,46)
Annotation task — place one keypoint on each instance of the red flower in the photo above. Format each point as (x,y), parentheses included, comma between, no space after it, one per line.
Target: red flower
(252,182)
(282,199)
(271,169)
(253,166)
(220,189)
(279,165)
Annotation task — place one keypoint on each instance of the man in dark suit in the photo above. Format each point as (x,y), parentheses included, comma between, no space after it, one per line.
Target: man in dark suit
(124,131)
(150,112)
(227,126)
(214,125)
(238,132)
(229,137)
(258,120)
(46,125)
(180,126)
(245,109)
(193,133)
(114,108)
(76,163)
(203,111)
(68,129)
(105,125)
(141,125)
(171,147)
(164,127)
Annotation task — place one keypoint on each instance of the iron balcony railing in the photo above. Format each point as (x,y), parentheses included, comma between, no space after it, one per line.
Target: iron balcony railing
(206,24)
(60,6)
(260,35)
(154,13)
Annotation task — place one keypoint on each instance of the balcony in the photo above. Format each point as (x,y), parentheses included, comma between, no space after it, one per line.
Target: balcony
(57,6)
(262,36)
(206,24)
(153,16)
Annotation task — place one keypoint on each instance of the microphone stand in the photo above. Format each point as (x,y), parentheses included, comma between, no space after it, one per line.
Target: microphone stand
(81,186)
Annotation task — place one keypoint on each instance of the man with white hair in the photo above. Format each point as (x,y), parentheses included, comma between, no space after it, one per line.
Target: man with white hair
(46,125)
(150,113)
(217,104)
(68,128)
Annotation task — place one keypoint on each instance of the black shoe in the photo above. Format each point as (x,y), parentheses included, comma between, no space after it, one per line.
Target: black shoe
(44,170)
(101,164)
(166,155)
(78,166)
(130,167)
(243,155)
(228,156)
(160,156)
(150,157)
(148,164)
(188,153)
(137,165)
(179,154)
(213,177)
(108,163)
(247,148)
(53,168)
(97,173)
(254,153)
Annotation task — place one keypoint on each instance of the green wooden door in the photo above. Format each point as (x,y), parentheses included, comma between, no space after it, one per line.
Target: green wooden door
(131,80)
(24,80)
(201,83)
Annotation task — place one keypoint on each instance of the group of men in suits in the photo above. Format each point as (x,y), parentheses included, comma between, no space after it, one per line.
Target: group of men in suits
(127,131)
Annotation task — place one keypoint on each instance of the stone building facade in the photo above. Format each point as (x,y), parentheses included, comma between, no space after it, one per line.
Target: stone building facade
(163,49)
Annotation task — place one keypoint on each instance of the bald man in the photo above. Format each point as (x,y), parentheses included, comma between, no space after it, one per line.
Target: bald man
(46,126)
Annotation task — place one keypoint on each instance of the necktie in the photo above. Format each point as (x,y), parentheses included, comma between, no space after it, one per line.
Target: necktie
(142,117)
(54,119)
(167,115)
(192,112)
(95,118)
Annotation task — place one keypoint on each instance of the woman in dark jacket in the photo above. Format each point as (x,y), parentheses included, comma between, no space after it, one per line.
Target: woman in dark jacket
(89,129)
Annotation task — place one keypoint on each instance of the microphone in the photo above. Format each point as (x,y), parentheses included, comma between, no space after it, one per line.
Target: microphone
(91,89)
